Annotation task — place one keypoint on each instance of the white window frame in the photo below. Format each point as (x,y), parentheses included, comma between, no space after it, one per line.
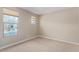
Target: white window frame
(33,20)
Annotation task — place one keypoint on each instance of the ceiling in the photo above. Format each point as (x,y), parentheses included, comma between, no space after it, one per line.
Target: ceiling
(43,10)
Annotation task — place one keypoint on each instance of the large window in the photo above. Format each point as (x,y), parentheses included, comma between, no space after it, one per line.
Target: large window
(10,24)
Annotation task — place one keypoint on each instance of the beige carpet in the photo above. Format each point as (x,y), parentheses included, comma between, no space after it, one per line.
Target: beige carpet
(43,45)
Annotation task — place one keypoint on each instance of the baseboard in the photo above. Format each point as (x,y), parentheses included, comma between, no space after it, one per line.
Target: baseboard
(21,41)
(75,43)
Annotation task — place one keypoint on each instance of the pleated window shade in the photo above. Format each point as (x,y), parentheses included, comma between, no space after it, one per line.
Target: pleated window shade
(10,12)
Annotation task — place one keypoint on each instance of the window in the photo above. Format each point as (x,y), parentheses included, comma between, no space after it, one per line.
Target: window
(10,24)
(33,20)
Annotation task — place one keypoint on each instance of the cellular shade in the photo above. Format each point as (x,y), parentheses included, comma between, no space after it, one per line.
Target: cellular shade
(10,12)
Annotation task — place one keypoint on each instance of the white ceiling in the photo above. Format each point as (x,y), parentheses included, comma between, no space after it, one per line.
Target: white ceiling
(43,10)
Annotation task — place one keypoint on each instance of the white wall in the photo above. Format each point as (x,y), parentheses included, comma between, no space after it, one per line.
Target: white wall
(25,28)
(61,25)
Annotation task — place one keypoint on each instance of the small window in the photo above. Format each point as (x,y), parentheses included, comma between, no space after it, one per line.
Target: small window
(33,20)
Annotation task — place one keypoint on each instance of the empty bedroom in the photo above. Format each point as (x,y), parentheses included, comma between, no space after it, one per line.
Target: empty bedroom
(39,29)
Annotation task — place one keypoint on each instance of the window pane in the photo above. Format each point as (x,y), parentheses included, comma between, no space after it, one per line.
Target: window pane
(33,20)
(10,19)
(10,29)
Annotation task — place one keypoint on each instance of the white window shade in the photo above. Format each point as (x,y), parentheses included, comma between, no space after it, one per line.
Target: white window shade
(10,12)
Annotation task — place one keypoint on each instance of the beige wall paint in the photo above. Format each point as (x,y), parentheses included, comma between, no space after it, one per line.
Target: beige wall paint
(25,28)
(62,25)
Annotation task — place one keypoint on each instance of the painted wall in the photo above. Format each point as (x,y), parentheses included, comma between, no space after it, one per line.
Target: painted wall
(61,25)
(25,28)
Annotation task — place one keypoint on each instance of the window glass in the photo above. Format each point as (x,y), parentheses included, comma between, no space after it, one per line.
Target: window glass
(10,19)
(10,29)
(10,25)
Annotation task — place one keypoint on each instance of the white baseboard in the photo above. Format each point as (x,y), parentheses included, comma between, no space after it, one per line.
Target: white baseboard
(21,41)
(42,36)
(18,42)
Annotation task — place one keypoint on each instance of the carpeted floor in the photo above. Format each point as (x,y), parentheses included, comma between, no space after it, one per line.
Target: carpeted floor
(43,45)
